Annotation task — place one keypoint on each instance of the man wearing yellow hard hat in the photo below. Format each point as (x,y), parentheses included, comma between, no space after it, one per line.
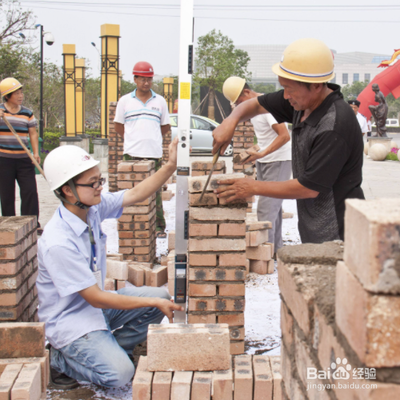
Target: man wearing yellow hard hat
(273,161)
(327,144)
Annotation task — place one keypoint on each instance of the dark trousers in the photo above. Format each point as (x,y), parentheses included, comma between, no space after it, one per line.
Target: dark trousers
(22,170)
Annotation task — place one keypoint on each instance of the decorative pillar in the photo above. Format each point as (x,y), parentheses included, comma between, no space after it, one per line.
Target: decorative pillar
(69,97)
(80,77)
(168,90)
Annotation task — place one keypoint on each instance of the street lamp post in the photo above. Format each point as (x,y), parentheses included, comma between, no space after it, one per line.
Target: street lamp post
(49,40)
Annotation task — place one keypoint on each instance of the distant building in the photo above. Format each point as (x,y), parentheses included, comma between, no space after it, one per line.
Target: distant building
(349,67)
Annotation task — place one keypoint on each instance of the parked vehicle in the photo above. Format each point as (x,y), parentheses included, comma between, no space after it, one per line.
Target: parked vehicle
(201,129)
(390,122)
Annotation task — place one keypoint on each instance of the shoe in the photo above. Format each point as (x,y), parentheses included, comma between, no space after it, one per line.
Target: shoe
(39,231)
(161,235)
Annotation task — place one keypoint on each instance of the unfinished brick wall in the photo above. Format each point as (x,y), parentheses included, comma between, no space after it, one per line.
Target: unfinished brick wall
(344,309)
(136,227)
(165,145)
(217,260)
(243,138)
(18,269)
(115,151)
(204,168)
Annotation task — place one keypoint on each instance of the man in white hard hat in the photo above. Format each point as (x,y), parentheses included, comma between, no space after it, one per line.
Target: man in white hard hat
(273,161)
(142,119)
(355,105)
(327,147)
(92,332)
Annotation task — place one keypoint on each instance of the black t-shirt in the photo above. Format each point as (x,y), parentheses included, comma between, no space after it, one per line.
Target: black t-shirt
(327,156)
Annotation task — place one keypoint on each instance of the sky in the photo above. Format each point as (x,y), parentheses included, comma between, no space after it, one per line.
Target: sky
(150,29)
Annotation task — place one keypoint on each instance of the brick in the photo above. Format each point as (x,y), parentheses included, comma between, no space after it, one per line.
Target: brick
(217,214)
(370,323)
(171,287)
(262,252)
(135,275)
(236,333)
(145,217)
(161,386)
(167,195)
(243,375)
(141,384)
(7,379)
(232,260)
(232,289)
(14,266)
(216,274)
(143,166)
(181,382)
(28,384)
(231,319)
(171,240)
(125,167)
(258,225)
(231,245)
(208,199)
(196,184)
(232,229)
(219,304)
(223,385)
(200,290)
(14,229)
(120,284)
(14,282)
(202,260)
(22,339)
(125,234)
(237,347)
(372,238)
(262,267)
(201,386)
(203,229)
(117,269)
(109,284)
(255,238)
(276,376)
(219,165)
(138,209)
(287,327)
(201,347)
(125,185)
(262,378)
(202,319)
(159,276)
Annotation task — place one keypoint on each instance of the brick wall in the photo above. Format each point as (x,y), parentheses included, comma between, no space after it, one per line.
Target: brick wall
(136,227)
(217,261)
(115,151)
(243,138)
(204,168)
(18,269)
(344,309)
(165,145)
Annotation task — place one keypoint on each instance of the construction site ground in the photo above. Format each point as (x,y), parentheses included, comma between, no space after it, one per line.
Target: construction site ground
(262,315)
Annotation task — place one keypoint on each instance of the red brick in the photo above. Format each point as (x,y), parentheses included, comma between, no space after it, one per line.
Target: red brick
(231,319)
(236,333)
(202,229)
(125,218)
(202,319)
(263,388)
(255,238)
(141,385)
(125,185)
(202,260)
(216,304)
(232,229)
(201,347)
(7,379)
(231,245)
(276,376)
(159,276)
(145,217)
(231,289)
(171,240)
(138,210)
(237,347)
(202,290)
(135,275)
(109,284)
(143,166)
(223,385)
(243,374)
(262,267)
(161,386)
(13,267)
(209,199)
(232,260)
(14,282)
(216,274)
(217,214)
(262,252)
(28,383)
(258,225)
(198,173)
(201,386)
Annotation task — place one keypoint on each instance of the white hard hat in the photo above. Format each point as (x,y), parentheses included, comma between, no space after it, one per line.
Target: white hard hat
(232,88)
(65,162)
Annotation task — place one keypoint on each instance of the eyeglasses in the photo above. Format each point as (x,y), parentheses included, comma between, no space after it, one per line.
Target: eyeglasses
(144,80)
(94,185)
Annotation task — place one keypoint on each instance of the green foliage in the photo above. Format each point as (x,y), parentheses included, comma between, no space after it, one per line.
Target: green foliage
(11,61)
(217,59)
(127,87)
(263,87)
(392,156)
(394,106)
(351,92)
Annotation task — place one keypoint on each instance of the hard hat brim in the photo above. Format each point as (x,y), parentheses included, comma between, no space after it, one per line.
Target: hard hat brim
(11,90)
(294,76)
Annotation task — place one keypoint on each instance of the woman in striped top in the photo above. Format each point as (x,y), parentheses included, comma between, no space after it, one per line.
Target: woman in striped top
(15,164)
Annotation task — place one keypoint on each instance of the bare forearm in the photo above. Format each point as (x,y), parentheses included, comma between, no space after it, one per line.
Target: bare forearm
(34,138)
(291,189)
(275,145)
(120,129)
(108,300)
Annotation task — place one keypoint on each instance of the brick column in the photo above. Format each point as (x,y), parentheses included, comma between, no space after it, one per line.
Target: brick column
(136,227)
(18,269)
(217,260)
(165,145)
(204,168)
(115,150)
(243,138)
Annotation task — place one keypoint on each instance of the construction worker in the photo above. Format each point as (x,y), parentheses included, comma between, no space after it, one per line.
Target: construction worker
(142,119)
(355,105)
(327,148)
(91,332)
(273,161)
(15,163)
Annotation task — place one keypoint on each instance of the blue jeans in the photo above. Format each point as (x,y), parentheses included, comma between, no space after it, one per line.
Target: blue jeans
(101,357)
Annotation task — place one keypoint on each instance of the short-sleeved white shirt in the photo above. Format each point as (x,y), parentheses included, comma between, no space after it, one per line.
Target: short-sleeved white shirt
(363,122)
(266,135)
(142,137)
(65,268)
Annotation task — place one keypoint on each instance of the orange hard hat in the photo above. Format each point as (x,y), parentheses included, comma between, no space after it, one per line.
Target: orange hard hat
(143,68)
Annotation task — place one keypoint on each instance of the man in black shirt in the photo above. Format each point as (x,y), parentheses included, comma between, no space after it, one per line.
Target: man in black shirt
(327,145)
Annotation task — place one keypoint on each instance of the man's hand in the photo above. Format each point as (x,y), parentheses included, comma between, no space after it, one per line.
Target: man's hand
(37,158)
(232,189)
(254,155)
(173,152)
(168,307)
(223,135)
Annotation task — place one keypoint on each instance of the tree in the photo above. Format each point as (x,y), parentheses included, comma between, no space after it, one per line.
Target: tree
(12,61)
(351,92)
(263,87)
(216,60)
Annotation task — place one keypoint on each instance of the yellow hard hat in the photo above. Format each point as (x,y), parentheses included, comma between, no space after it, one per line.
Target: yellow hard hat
(306,60)
(232,88)
(9,85)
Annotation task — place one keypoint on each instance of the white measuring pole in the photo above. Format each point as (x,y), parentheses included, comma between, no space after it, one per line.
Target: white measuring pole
(183,170)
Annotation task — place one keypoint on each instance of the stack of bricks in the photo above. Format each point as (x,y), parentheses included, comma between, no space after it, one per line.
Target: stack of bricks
(165,145)
(136,226)
(117,272)
(24,361)
(115,150)
(18,269)
(217,259)
(243,139)
(202,368)
(340,313)
(147,274)
(259,251)
(204,168)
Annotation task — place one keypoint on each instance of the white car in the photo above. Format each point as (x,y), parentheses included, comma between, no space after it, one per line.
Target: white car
(201,129)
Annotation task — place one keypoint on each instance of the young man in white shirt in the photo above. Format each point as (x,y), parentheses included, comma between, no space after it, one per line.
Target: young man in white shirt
(355,105)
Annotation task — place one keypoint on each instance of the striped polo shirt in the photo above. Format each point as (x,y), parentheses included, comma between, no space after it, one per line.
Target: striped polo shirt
(21,122)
